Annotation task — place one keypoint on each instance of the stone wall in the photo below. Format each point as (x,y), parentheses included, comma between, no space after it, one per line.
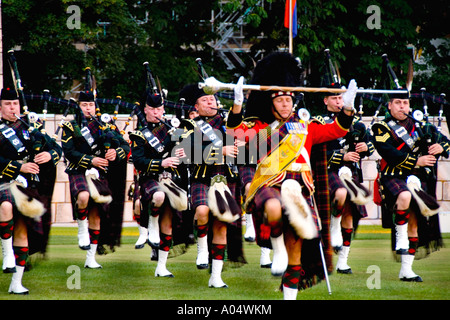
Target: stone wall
(61,207)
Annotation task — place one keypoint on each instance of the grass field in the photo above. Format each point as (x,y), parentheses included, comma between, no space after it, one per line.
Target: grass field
(128,274)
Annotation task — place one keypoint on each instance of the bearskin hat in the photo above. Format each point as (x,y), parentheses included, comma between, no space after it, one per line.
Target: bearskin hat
(86,96)
(278,68)
(190,93)
(8,94)
(400,95)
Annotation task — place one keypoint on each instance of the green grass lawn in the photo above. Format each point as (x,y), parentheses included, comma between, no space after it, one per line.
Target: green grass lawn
(128,274)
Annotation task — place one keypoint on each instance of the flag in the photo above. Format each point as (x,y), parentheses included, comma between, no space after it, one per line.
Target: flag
(292,14)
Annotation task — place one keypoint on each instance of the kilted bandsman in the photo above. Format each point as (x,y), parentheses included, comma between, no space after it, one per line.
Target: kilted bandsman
(214,183)
(91,146)
(281,193)
(24,150)
(409,149)
(157,164)
(348,195)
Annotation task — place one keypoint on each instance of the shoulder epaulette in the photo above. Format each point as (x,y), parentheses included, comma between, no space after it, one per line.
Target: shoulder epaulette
(136,133)
(249,124)
(382,123)
(37,125)
(192,122)
(381,130)
(318,119)
(68,125)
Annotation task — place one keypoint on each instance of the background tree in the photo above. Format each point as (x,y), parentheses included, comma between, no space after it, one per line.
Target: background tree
(117,36)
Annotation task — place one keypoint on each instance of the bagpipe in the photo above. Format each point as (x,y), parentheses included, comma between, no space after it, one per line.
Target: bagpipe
(389,75)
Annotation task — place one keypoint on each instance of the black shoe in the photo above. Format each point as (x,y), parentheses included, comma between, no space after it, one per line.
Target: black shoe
(154,245)
(346,271)
(20,293)
(413,279)
(202,266)
(9,270)
(267,266)
(337,249)
(250,239)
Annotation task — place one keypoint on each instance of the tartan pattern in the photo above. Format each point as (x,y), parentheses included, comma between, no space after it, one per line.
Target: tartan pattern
(162,133)
(82,213)
(291,276)
(147,187)
(322,198)
(202,230)
(94,236)
(246,174)
(200,193)
(335,183)
(18,128)
(401,217)
(77,184)
(6,229)
(413,245)
(394,186)
(408,124)
(21,255)
(199,190)
(265,193)
(165,242)
(6,195)
(218,251)
(347,236)
(216,122)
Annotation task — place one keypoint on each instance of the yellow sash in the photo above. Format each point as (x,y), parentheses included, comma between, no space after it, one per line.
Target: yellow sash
(273,166)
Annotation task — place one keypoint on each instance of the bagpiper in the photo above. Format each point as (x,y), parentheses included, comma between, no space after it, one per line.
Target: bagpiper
(348,195)
(282,195)
(24,153)
(214,183)
(159,169)
(409,148)
(92,147)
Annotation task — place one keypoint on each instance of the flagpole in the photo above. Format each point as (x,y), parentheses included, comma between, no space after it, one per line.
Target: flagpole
(290,26)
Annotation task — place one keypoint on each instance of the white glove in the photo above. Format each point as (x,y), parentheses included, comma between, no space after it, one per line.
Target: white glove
(349,96)
(239,92)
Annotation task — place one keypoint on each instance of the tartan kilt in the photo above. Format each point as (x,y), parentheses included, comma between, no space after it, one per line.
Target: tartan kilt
(77,184)
(334,183)
(6,195)
(256,207)
(428,228)
(199,189)
(199,192)
(310,252)
(392,187)
(147,187)
(246,174)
